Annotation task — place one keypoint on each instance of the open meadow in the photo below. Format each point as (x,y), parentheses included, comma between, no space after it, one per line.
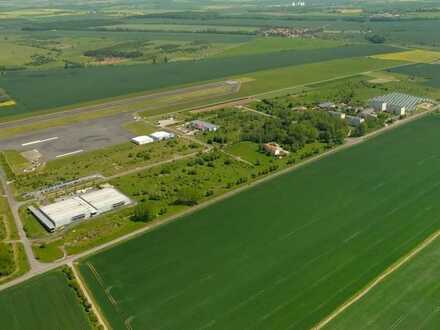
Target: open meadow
(408,299)
(44,302)
(285,253)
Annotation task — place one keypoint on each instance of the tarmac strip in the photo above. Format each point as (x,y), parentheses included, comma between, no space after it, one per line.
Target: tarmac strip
(70,153)
(39,141)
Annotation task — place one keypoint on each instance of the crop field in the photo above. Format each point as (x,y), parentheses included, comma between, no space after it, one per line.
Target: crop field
(283,254)
(45,302)
(429,72)
(417,56)
(295,76)
(268,45)
(81,85)
(408,299)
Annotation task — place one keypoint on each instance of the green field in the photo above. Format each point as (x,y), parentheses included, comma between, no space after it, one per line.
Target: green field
(428,72)
(29,88)
(408,299)
(285,253)
(268,45)
(42,303)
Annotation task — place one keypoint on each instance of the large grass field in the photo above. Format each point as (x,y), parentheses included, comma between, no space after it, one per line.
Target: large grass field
(283,254)
(428,72)
(29,88)
(409,299)
(267,45)
(43,303)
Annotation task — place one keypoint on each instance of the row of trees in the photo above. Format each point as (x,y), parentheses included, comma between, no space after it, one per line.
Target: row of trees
(109,52)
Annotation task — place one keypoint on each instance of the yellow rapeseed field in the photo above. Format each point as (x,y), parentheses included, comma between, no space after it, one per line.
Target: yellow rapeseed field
(417,56)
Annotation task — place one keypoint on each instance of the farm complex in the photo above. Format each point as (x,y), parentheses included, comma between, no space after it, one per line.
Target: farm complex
(219,164)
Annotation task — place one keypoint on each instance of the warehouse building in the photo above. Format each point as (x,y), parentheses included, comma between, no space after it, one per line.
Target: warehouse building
(63,213)
(162,135)
(105,200)
(141,140)
(203,126)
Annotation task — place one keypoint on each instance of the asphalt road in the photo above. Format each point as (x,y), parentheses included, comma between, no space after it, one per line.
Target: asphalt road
(59,141)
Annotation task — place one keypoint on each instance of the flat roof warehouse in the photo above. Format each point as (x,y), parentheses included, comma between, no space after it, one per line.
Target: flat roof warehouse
(60,214)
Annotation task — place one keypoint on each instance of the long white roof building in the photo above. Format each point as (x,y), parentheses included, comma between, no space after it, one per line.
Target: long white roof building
(106,199)
(65,212)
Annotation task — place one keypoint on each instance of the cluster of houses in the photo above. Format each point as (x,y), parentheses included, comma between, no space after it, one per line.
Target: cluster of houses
(291,32)
(396,104)
(154,137)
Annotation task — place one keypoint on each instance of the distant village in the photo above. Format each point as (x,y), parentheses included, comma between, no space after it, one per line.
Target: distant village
(291,32)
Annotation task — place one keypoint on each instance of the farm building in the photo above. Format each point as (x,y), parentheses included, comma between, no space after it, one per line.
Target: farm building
(327,105)
(141,140)
(337,114)
(354,121)
(398,103)
(275,149)
(60,214)
(203,126)
(162,135)
(368,113)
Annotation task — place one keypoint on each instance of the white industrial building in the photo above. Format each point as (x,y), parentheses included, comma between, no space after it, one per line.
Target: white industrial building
(162,135)
(141,140)
(105,200)
(60,214)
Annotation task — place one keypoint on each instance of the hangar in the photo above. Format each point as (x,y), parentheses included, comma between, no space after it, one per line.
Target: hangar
(141,140)
(63,213)
(105,200)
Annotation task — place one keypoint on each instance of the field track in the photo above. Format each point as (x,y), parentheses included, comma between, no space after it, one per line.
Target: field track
(404,260)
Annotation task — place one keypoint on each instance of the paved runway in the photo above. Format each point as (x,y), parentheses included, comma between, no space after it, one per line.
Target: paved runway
(74,139)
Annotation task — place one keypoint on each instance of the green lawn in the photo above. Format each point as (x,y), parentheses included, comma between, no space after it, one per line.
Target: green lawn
(16,161)
(285,253)
(408,299)
(250,152)
(108,161)
(42,303)
(48,252)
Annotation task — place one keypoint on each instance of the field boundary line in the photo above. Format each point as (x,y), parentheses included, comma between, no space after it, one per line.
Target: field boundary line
(95,306)
(384,275)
